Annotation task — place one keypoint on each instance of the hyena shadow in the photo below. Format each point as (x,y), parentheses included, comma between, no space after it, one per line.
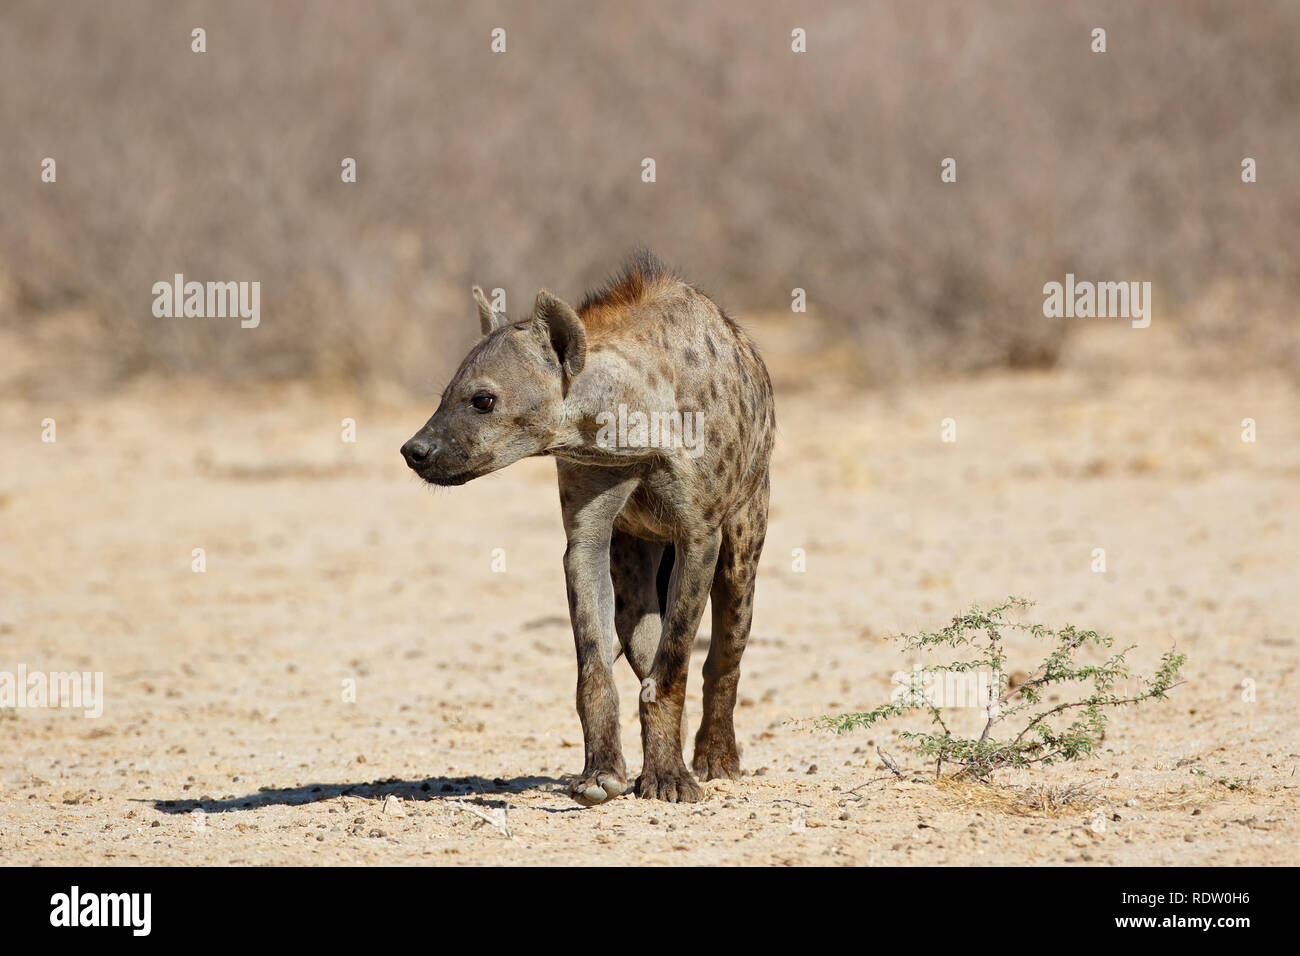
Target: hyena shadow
(494,791)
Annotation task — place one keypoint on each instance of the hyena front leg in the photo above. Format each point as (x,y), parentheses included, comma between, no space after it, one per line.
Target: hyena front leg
(663,772)
(716,754)
(589,500)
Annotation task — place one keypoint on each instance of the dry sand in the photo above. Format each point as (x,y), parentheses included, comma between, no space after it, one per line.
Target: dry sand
(328,562)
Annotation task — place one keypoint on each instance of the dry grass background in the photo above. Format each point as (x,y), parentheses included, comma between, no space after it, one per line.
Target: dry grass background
(520,170)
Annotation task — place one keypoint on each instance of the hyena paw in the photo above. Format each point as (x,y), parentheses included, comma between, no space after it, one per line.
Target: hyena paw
(597,787)
(674,785)
(714,763)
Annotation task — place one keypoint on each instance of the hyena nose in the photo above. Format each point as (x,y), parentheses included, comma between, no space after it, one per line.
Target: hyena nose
(417,452)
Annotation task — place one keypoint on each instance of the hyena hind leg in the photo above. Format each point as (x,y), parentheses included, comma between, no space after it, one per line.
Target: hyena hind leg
(732,596)
(639,570)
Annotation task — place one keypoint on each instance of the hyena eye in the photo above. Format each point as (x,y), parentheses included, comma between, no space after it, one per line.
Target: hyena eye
(483,403)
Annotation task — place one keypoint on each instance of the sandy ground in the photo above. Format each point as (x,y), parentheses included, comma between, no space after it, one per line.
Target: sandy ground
(226,737)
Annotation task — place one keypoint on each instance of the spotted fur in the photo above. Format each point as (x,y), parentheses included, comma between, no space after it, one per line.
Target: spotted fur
(652,532)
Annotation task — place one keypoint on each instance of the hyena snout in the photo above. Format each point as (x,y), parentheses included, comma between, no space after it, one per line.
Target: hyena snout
(438,458)
(418,452)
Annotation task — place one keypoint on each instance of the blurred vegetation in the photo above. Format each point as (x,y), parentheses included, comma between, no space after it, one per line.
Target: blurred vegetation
(522,170)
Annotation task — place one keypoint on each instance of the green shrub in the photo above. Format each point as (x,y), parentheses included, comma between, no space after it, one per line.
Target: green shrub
(1021,728)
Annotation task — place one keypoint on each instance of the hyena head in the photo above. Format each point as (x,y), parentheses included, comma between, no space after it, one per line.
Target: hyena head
(506,400)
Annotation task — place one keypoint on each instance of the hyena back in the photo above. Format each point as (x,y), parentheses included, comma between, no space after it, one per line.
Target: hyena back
(654,528)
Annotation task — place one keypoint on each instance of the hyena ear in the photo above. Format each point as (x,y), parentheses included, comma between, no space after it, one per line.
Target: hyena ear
(489,320)
(564,330)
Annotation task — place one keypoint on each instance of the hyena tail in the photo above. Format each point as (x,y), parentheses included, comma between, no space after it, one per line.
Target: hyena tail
(665,572)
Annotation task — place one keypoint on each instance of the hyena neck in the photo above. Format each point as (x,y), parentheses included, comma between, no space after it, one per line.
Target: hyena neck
(577,438)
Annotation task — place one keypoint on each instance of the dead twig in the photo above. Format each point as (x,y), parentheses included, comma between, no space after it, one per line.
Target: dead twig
(500,823)
(888,761)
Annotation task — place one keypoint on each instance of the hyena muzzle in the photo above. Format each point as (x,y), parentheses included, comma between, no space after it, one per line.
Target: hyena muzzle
(659,413)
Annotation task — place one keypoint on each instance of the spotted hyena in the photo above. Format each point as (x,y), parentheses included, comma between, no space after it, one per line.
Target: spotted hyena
(658,411)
